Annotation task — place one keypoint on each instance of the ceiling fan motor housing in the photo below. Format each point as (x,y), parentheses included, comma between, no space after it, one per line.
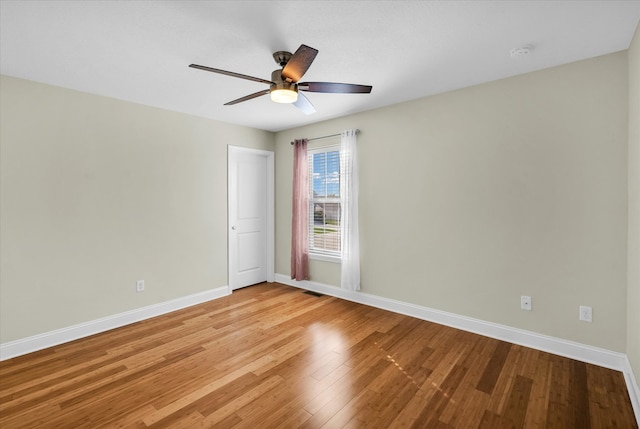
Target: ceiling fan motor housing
(279,83)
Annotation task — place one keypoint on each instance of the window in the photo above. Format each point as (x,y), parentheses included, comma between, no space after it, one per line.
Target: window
(325,202)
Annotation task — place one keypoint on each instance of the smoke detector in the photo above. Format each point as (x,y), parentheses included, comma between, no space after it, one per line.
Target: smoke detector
(521,52)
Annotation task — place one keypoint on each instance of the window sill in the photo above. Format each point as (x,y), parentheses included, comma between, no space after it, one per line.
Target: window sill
(326,258)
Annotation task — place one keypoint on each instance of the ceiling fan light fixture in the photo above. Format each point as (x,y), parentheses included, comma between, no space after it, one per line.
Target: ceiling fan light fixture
(284,95)
(283,91)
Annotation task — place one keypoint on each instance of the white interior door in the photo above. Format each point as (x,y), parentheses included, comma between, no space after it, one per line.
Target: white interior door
(250,185)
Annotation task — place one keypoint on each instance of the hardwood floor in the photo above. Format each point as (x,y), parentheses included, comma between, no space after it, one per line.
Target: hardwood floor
(273,356)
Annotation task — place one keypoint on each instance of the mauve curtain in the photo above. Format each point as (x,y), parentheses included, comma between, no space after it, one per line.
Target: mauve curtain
(300,219)
(349,234)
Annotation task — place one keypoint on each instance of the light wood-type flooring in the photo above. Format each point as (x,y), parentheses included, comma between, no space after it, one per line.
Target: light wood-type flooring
(272,356)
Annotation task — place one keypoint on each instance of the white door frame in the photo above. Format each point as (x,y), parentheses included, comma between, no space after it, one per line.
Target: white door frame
(270,156)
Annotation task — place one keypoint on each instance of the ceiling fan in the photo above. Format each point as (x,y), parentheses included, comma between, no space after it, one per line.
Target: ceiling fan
(284,86)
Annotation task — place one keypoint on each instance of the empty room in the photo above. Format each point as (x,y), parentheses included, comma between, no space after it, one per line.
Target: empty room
(319,214)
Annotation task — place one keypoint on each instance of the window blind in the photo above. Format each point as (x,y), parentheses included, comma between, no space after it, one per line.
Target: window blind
(325,201)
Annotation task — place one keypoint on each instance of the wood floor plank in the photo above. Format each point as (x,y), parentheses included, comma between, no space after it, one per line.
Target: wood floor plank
(516,408)
(539,396)
(558,413)
(342,393)
(494,367)
(579,395)
(511,369)
(387,405)
(432,410)
(242,401)
(350,410)
(476,401)
(471,414)
(271,356)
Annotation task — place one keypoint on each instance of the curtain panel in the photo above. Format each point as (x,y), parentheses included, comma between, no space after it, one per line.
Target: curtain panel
(300,218)
(350,235)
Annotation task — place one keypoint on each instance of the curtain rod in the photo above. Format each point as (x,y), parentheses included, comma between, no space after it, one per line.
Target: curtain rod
(325,137)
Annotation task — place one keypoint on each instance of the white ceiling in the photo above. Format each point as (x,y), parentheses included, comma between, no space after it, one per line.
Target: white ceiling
(139,50)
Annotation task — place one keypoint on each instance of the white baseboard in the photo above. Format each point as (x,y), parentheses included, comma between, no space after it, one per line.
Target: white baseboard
(632,387)
(582,352)
(81,330)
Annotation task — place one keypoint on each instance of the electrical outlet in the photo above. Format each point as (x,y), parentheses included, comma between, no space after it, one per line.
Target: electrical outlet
(140,286)
(525,302)
(585,313)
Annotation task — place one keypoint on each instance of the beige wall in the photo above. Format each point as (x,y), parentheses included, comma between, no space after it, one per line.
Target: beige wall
(472,198)
(97,193)
(633,271)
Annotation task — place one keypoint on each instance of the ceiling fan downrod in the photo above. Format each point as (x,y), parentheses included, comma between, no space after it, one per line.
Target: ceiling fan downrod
(282,57)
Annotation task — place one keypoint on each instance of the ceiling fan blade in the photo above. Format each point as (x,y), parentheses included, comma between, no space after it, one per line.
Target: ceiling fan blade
(332,87)
(299,63)
(304,105)
(248,97)
(228,73)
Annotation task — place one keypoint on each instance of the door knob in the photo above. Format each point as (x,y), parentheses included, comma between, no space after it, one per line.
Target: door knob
(233,228)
